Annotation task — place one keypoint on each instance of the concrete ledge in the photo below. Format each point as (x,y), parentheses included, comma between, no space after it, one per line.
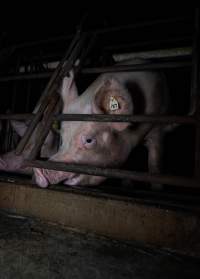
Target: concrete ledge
(120,219)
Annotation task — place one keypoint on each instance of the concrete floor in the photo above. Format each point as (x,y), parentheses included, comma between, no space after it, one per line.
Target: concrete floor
(29,249)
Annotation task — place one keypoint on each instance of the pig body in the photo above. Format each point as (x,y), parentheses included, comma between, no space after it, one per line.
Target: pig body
(108,144)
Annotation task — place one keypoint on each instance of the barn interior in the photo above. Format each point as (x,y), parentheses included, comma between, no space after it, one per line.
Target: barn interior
(124,227)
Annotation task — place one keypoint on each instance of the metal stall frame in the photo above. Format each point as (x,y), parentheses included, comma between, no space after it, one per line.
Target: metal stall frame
(50,96)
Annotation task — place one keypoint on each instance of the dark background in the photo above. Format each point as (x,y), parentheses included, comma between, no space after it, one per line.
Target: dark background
(34,22)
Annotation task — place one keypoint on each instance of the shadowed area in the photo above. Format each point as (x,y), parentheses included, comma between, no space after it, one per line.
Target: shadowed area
(30,249)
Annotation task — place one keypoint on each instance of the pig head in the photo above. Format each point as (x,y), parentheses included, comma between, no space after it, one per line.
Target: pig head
(104,144)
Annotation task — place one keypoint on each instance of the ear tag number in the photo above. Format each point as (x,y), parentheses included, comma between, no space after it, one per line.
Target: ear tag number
(114,105)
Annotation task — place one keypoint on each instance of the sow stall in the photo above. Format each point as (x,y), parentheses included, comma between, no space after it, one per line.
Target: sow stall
(164,222)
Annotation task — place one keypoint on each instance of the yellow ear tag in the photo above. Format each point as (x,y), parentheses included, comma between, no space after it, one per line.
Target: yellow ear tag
(114,105)
(55,125)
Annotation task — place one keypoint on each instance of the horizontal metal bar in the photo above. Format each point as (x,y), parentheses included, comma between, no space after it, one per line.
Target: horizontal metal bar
(26,76)
(161,119)
(117,68)
(115,173)
(40,42)
(24,116)
(139,67)
(146,43)
(99,31)
(156,53)
(127,118)
(140,25)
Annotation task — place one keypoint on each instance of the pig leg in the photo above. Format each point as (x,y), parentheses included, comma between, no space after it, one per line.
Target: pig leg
(155,154)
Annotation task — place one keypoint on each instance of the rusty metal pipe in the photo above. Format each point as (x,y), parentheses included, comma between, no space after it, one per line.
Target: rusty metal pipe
(115,173)
(140,44)
(49,117)
(140,25)
(161,119)
(26,76)
(139,67)
(52,86)
(23,116)
(95,70)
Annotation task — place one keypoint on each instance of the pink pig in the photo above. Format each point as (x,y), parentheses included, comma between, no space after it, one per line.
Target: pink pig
(108,144)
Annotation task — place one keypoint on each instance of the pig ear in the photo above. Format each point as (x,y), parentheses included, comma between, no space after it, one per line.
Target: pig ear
(113,98)
(19,127)
(68,90)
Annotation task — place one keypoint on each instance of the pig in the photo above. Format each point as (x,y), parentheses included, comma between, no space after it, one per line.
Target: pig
(11,162)
(108,144)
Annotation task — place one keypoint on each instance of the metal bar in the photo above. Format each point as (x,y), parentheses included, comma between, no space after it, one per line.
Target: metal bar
(197,152)
(195,87)
(47,123)
(127,118)
(164,53)
(52,87)
(115,173)
(195,64)
(28,96)
(55,104)
(32,126)
(23,116)
(14,95)
(138,67)
(98,31)
(117,68)
(26,76)
(146,43)
(86,51)
(70,51)
(35,43)
(161,119)
(140,25)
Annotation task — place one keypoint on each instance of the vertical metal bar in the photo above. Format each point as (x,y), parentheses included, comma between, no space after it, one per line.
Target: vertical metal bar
(45,127)
(86,51)
(195,65)
(195,87)
(14,95)
(28,95)
(60,66)
(51,88)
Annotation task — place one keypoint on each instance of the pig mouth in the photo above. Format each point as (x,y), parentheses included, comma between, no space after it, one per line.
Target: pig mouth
(74,180)
(43,179)
(40,178)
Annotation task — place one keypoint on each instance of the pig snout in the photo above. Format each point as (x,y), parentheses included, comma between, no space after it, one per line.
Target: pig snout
(44,177)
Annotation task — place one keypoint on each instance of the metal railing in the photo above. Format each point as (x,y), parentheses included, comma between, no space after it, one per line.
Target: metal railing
(50,100)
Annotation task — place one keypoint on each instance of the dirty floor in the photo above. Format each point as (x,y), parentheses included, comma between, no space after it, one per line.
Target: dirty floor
(30,249)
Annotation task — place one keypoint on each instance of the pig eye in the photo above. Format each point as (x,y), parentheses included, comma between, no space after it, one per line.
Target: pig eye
(88,141)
